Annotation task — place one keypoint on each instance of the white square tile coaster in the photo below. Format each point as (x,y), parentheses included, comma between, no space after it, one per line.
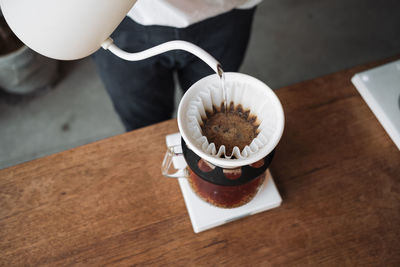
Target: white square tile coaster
(205,216)
(380,89)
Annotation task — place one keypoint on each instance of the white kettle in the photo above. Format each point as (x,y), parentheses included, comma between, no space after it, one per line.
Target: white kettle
(64,29)
(73,29)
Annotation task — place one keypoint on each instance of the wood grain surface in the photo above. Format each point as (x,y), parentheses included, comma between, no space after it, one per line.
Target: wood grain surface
(107,203)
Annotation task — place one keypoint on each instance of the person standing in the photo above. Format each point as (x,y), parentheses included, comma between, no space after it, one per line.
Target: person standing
(142,92)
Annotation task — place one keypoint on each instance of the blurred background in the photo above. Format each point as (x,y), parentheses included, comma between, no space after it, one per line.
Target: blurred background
(62,105)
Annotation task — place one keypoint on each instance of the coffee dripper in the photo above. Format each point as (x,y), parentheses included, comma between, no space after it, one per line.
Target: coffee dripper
(216,178)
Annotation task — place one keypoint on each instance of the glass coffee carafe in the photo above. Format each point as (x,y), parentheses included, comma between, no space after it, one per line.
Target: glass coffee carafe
(221,187)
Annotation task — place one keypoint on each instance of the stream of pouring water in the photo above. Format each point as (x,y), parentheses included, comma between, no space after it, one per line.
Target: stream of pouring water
(222,77)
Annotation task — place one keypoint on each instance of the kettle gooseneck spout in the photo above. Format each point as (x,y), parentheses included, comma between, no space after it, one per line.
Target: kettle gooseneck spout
(161,48)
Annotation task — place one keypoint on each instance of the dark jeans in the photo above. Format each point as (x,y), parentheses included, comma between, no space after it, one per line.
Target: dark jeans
(143,91)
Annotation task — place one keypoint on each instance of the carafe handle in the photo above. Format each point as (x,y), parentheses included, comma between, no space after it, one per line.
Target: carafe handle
(168,162)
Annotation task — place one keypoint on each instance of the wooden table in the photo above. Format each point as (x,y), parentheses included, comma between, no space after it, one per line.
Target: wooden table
(107,203)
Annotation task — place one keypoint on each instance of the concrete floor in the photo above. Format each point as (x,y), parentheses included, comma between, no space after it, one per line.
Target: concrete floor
(291,41)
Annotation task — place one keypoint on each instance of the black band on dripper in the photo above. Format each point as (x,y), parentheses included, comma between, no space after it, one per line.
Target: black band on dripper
(217,175)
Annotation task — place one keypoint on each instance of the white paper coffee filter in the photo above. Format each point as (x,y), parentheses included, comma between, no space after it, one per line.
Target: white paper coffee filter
(242,89)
